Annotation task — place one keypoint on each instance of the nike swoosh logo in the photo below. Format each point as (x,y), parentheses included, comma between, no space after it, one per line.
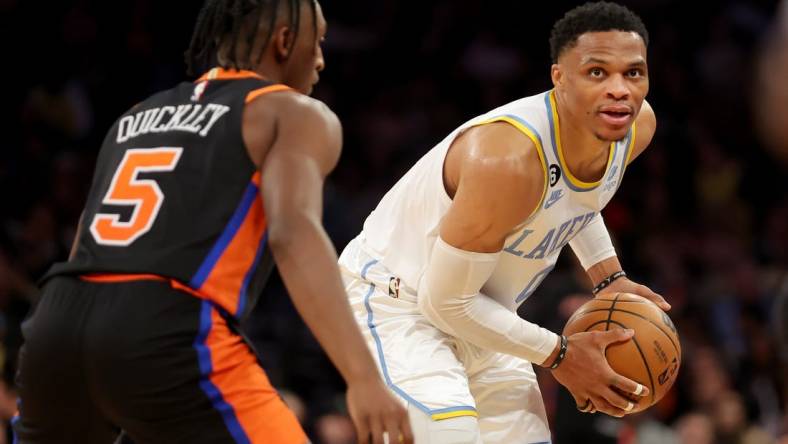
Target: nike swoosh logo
(555,197)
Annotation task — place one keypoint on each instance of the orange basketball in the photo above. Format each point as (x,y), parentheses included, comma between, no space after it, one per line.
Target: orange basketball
(652,357)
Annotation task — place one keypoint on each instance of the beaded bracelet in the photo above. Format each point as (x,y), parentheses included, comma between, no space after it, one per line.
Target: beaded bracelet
(607,281)
(561,353)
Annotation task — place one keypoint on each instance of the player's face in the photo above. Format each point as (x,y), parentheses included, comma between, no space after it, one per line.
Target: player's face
(306,62)
(603,81)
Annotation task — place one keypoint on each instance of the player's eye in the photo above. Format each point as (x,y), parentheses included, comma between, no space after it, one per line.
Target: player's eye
(634,73)
(596,72)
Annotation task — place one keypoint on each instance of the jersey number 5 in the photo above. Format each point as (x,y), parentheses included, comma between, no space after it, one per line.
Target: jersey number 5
(143,194)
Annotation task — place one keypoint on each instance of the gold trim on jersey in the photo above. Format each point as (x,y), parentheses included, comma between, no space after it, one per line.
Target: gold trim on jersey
(539,151)
(631,145)
(559,149)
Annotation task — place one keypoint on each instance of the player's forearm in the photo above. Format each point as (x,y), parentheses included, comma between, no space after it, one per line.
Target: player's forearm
(307,263)
(449,296)
(485,323)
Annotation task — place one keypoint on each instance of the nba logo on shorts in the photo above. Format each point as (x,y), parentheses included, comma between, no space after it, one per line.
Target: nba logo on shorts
(394,287)
(198,90)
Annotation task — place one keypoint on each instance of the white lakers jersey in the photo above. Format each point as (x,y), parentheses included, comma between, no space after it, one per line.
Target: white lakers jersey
(401,231)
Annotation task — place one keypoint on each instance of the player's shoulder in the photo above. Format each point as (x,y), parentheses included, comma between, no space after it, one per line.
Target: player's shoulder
(645,128)
(499,148)
(501,164)
(532,110)
(290,104)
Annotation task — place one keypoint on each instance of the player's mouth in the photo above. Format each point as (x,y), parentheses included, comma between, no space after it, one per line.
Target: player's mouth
(616,115)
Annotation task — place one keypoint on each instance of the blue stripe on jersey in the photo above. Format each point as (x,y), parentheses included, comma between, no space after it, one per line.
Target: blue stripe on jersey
(249,197)
(382,357)
(208,387)
(249,273)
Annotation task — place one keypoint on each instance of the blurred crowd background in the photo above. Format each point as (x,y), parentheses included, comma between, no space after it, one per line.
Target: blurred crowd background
(702,216)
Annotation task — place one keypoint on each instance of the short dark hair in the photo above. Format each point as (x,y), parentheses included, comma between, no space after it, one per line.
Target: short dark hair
(222,22)
(593,17)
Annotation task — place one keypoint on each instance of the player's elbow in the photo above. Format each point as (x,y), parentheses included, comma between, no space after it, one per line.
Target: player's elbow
(279,240)
(288,232)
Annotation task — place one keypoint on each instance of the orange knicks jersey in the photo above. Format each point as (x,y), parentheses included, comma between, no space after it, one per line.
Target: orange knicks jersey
(176,195)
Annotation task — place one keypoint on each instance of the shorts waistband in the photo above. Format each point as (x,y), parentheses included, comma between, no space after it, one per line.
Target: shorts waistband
(112,278)
(357,262)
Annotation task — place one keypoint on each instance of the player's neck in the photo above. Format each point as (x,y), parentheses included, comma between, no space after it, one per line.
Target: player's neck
(270,70)
(584,153)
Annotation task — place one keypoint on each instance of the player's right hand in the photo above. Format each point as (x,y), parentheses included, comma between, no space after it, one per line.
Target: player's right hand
(588,377)
(374,410)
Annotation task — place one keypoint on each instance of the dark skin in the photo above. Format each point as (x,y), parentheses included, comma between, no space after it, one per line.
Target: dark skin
(296,142)
(772,97)
(496,179)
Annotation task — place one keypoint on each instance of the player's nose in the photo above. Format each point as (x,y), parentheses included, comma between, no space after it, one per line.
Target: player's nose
(617,88)
(320,61)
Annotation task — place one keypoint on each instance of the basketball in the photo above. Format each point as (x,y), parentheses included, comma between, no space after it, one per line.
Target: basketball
(652,357)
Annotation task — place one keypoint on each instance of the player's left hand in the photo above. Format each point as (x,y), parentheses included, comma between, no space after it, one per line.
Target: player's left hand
(624,285)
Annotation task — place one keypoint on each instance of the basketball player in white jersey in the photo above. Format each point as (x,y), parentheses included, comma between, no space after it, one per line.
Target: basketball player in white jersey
(467,235)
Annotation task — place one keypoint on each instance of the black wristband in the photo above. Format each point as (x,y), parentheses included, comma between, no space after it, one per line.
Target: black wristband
(561,353)
(607,281)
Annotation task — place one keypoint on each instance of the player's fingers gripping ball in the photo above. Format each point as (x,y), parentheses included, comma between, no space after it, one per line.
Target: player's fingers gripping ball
(653,356)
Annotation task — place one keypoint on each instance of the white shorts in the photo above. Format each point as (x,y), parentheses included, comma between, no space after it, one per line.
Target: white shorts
(441,375)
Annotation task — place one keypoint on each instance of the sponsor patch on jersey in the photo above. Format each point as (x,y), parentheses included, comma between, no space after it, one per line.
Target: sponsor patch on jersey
(555,174)
(555,196)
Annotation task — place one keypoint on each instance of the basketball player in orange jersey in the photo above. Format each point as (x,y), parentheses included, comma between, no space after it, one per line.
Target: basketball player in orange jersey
(470,231)
(197,191)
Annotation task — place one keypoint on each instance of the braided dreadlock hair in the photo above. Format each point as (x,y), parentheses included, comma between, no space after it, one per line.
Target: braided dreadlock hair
(221,24)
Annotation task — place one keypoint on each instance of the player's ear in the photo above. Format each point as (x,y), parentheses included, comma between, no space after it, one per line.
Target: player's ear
(281,39)
(556,74)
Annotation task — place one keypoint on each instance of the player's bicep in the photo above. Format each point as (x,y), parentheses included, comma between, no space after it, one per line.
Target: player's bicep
(305,150)
(499,186)
(292,182)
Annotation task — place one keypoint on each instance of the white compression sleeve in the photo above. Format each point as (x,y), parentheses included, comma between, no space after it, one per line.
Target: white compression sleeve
(449,297)
(592,244)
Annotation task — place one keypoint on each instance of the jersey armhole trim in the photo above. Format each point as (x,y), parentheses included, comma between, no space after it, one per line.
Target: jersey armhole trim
(254,94)
(528,130)
(630,145)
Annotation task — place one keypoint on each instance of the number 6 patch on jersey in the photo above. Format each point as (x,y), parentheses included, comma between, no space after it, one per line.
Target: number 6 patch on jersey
(127,190)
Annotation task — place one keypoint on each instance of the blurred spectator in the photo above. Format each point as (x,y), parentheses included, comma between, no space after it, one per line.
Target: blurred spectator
(335,428)
(695,428)
(731,423)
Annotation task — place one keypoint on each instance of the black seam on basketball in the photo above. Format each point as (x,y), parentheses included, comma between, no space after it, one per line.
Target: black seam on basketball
(622,302)
(675,347)
(577,316)
(637,345)
(594,325)
(610,311)
(645,363)
(580,314)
